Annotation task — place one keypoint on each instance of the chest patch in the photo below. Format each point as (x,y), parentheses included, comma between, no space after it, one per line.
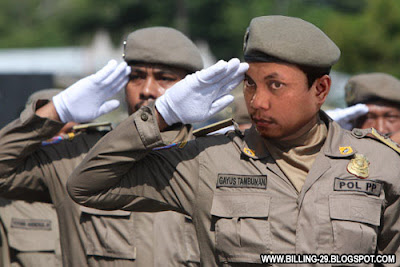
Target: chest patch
(242,181)
(357,185)
(31,224)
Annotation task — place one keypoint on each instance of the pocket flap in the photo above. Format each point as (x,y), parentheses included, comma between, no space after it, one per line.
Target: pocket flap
(356,208)
(104,212)
(239,204)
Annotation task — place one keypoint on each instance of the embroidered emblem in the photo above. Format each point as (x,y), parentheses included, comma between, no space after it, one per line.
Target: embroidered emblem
(359,166)
(345,150)
(249,152)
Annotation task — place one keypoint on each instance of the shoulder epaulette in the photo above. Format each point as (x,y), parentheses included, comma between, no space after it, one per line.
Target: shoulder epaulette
(213,127)
(371,132)
(99,126)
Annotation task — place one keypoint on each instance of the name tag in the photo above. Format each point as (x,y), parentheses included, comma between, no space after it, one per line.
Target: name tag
(358,185)
(31,224)
(242,181)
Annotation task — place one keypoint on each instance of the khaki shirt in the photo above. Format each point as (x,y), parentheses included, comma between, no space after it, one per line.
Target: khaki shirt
(241,203)
(166,238)
(33,172)
(31,231)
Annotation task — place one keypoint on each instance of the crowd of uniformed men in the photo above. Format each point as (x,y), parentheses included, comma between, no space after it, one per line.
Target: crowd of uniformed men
(155,192)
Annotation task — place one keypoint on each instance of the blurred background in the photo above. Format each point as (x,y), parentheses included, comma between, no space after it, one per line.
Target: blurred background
(53,43)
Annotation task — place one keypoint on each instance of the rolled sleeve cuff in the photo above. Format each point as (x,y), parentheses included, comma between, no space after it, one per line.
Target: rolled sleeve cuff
(43,126)
(147,127)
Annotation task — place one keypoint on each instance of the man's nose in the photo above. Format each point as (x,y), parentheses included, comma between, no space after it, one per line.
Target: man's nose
(381,125)
(261,100)
(150,89)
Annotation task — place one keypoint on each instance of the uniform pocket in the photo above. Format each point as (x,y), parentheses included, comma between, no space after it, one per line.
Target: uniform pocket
(355,221)
(30,227)
(109,233)
(242,230)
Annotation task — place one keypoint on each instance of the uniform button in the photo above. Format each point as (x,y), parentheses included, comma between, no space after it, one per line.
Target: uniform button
(358,132)
(144,117)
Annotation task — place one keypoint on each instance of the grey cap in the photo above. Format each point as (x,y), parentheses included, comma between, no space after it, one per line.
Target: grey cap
(162,45)
(372,86)
(45,94)
(289,39)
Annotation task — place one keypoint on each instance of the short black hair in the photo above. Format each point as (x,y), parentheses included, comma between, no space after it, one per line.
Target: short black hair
(314,73)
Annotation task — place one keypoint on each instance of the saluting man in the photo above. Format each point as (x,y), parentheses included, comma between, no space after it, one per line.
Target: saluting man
(380,92)
(34,169)
(158,57)
(295,183)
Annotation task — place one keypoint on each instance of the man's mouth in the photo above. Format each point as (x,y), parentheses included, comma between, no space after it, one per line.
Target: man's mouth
(143,103)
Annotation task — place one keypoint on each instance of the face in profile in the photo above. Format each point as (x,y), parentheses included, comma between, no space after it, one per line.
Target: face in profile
(147,82)
(279,101)
(384,116)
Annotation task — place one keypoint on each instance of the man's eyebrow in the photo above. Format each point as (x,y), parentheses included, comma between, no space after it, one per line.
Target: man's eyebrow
(271,76)
(133,69)
(165,71)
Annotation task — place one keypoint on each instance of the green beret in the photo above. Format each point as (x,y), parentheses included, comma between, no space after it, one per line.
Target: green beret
(372,86)
(291,40)
(162,45)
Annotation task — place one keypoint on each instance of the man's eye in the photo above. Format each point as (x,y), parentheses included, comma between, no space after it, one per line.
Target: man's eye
(276,85)
(392,117)
(133,77)
(165,78)
(248,83)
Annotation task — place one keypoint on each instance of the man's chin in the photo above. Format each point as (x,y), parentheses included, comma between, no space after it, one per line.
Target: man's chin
(269,133)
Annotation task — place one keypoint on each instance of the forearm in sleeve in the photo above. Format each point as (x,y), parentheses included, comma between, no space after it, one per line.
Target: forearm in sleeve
(123,166)
(20,171)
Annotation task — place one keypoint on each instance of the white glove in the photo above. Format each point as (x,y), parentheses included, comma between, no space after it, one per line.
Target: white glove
(202,94)
(344,116)
(85,100)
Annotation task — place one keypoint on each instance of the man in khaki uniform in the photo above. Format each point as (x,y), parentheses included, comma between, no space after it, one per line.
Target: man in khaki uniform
(31,236)
(89,236)
(159,57)
(296,182)
(34,167)
(380,92)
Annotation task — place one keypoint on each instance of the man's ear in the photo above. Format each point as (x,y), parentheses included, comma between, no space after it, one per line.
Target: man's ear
(322,86)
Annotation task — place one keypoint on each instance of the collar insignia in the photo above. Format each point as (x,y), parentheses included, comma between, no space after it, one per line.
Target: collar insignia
(249,152)
(359,166)
(345,150)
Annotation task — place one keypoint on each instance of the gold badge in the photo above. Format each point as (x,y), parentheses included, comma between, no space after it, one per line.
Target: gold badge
(345,150)
(249,152)
(359,166)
